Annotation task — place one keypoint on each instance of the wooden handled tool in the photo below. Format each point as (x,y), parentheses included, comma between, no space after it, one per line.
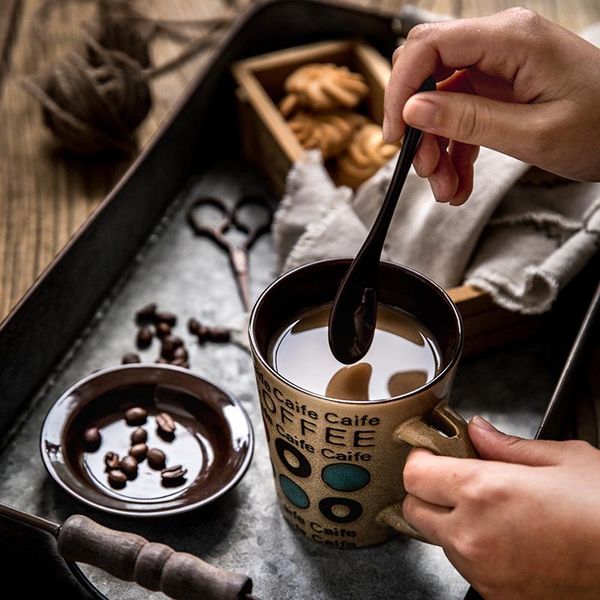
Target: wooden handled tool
(133,558)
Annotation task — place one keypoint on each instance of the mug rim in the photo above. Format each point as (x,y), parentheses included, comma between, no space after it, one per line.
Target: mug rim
(455,356)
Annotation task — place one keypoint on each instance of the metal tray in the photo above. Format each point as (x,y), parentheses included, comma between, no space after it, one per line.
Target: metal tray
(137,248)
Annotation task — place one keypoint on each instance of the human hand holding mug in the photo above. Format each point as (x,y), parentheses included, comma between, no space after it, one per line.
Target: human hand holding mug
(522,524)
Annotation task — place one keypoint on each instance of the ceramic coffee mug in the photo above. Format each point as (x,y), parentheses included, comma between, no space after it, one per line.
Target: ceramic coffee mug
(338,463)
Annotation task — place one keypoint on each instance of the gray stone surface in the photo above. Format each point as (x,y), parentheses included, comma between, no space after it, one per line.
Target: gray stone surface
(244,531)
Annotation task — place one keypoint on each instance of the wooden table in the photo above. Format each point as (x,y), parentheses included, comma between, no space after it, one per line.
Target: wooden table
(45,194)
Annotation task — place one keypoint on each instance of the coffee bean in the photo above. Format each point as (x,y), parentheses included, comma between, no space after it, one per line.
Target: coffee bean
(194,326)
(146,314)
(180,353)
(163,330)
(129,466)
(156,459)
(130,358)
(139,436)
(144,337)
(117,479)
(162,361)
(219,335)
(181,362)
(166,317)
(170,343)
(139,452)
(199,330)
(136,416)
(165,426)
(111,461)
(92,439)
(173,476)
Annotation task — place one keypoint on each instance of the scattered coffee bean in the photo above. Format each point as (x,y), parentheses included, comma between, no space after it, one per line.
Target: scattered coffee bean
(136,416)
(162,361)
(92,439)
(180,353)
(163,330)
(139,452)
(130,358)
(129,466)
(194,326)
(170,343)
(220,335)
(156,459)
(181,362)
(199,330)
(111,460)
(173,476)
(146,314)
(117,479)
(144,337)
(165,426)
(166,317)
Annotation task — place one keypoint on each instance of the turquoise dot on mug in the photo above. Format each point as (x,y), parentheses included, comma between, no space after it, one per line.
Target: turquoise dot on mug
(293,492)
(345,478)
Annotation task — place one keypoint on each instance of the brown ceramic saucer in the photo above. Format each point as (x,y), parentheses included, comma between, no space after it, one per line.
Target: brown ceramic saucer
(213,439)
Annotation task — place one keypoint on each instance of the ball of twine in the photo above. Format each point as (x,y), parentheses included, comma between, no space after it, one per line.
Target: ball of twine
(94,101)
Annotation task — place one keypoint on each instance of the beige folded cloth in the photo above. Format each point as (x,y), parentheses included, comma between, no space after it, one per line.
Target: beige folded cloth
(519,241)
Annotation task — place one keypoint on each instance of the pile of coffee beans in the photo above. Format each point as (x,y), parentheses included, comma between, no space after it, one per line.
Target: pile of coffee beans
(121,470)
(153,323)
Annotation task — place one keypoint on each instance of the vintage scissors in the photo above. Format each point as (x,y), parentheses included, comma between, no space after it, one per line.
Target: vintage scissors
(231,219)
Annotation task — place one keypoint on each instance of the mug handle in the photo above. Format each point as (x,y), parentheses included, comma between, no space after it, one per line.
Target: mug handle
(416,432)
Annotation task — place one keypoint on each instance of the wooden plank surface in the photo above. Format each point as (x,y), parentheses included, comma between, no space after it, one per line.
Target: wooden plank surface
(46,195)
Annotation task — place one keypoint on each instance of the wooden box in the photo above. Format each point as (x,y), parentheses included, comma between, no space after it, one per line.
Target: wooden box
(268,143)
(271,146)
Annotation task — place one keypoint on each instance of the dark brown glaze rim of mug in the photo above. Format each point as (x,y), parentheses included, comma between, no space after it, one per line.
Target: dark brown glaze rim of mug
(423,279)
(239,447)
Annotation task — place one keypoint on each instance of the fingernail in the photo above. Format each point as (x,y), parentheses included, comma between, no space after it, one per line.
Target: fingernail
(385,128)
(420,113)
(435,188)
(482,423)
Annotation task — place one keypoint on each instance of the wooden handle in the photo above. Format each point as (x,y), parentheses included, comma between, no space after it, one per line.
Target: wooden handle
(154,566)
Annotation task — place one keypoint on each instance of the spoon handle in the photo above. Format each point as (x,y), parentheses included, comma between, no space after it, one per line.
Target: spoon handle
(373,245)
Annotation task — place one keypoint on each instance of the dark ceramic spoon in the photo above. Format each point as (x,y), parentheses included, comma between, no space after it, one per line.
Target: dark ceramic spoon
(354,312)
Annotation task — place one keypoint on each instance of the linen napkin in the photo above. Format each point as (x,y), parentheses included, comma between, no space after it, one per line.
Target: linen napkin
(520,241)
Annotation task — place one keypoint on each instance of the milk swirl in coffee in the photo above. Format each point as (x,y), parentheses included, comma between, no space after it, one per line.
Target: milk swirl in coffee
(403,357)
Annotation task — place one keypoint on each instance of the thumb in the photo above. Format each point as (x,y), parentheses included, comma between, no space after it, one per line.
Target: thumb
(492,444)
(503,126)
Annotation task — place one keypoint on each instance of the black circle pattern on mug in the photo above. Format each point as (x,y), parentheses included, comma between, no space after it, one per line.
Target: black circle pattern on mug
(344,477)
(302,468)
(340,510)
(293,492)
